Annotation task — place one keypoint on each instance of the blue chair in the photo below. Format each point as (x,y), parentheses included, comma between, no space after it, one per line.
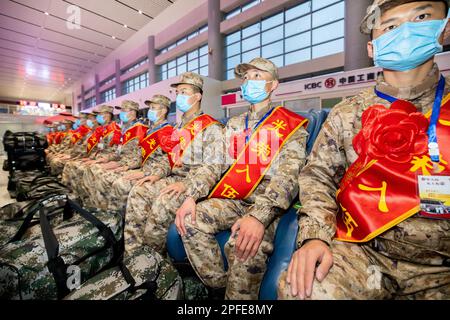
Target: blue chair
(285,236)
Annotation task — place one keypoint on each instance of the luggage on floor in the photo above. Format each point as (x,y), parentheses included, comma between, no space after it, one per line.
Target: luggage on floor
(13,217)
(50,265)
(143,274)
(39,188)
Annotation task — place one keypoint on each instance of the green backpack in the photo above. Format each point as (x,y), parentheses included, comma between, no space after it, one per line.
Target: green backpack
(52,264)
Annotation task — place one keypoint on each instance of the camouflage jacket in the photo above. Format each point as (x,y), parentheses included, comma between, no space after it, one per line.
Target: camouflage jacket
(106,150)
(129,154)
(333,153)
(79,149)
(278,188)
(66,144)
(202,160)
(158,163)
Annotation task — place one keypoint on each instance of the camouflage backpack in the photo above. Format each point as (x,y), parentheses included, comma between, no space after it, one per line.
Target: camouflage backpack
(51,264)
(21,220)
(143,274)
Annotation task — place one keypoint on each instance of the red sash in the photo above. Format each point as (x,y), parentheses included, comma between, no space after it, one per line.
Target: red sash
(114,129)
(255,159)
(152,142)
(80,133)
(59,136)
(186,135)
(379,190)
(137,131)
(50,138)
(94,139)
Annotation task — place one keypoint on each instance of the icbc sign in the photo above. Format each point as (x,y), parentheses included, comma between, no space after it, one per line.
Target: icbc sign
(330,83)
(313,85)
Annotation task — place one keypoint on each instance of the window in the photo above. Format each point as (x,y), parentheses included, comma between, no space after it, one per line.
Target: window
(193,61)
(242,8)
(307,31)
(184,39)
(135,66)
(108,80)
(135,84)
(90,103)
(108,95)
(89,92)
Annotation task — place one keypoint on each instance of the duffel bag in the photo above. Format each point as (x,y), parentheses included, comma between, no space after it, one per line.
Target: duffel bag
(45,267)
(42,188)
(19,221)
(143,274)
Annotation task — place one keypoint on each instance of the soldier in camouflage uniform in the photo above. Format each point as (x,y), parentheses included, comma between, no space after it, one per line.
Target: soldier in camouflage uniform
(153,204)
(57,150)
(73,150)
(74,171)
(123,161)
(408,261)
(253,220)
(157,165)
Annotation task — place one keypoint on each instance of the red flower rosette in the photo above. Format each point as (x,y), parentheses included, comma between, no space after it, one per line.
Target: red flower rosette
(396,134)
(168,138)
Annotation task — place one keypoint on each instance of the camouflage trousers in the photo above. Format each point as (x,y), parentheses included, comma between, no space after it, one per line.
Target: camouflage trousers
(243,279)
(99,184)
(120,189)
(56,166)
(148,216)
(72,177)
(403,263)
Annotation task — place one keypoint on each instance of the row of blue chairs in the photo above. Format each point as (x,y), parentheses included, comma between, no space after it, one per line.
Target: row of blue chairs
(286,233)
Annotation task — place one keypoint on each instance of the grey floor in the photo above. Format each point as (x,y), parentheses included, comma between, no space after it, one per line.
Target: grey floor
(4,195)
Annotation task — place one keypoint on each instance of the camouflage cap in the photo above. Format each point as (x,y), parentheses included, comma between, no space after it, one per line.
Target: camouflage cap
(159,99)
(129,105)
(190,78)
(259,64)
(69,121)
(376,9)
(105,108)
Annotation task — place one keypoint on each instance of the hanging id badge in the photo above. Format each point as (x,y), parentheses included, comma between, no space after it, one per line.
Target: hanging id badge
(101,145)
(434,189)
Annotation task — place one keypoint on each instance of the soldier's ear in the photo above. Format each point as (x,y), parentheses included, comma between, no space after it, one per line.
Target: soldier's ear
(370,49)
(275,85)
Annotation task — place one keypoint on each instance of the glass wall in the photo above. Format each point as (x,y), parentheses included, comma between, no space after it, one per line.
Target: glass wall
(194,61)
(136,83)
(307,31)
(108,95)
(91,102)
(184,39)
(241,9)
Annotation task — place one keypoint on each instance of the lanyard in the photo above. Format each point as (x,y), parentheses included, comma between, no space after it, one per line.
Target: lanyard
(158,127)
(433,146)
(247,136)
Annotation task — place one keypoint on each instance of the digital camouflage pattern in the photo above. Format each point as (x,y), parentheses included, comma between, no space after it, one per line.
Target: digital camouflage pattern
(201,169)
(271,198)
(145,265)
(412,256)
(98,181)
(23,264)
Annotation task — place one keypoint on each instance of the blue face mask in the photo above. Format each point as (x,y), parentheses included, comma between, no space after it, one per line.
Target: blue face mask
(89,123)
(124,117)
(62,127)
(152,115)
(101,119)
(182,103)
(408,46)
(75,126)
(254,91)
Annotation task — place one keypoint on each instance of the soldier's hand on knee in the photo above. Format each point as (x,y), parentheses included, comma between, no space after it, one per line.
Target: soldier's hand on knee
(187,208)
(251,233)
(175,189)
(313,259)
(149,179)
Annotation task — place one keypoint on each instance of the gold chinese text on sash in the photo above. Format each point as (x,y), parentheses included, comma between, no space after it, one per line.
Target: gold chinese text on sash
(377,193)
(187,134)
(255,159)
(150,143)
(94,139)
(79,134)
(138,131)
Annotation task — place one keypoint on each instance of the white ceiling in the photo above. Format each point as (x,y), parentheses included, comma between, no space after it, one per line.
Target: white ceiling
(40,55)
